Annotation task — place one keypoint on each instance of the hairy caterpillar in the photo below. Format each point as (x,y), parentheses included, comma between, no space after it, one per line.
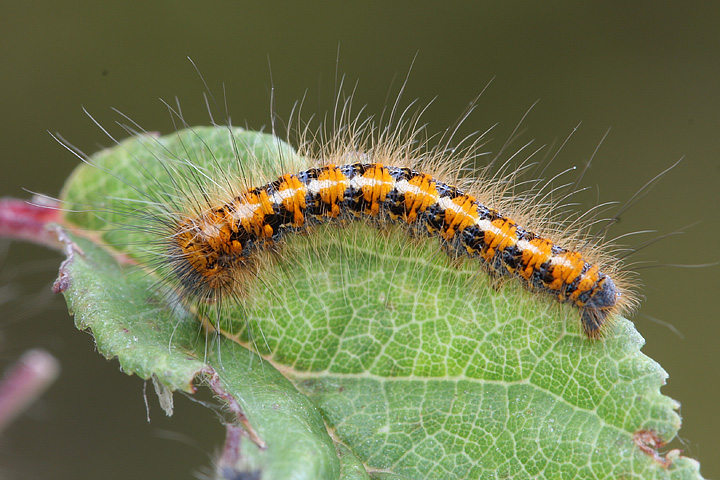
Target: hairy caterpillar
(206,250)
(209,230)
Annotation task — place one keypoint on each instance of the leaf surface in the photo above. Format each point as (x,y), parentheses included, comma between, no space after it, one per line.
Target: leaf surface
(359,353)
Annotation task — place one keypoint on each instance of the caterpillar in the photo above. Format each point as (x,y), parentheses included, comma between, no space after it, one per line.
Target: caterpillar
(209,250)
(209,231)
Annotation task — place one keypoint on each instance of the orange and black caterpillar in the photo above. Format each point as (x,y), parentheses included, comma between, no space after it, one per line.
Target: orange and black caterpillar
(212,247)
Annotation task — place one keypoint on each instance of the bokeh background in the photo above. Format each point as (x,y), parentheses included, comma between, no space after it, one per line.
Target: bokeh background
(650,71)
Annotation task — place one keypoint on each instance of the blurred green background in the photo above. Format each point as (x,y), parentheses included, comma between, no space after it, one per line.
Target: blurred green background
(649,71)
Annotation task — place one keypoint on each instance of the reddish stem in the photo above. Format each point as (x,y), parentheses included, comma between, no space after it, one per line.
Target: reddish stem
(21,220)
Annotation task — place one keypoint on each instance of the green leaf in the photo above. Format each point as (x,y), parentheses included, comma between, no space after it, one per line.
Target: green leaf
(359,353)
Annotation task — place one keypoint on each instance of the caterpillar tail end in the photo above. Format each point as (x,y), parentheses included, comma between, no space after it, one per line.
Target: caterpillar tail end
(602,304)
